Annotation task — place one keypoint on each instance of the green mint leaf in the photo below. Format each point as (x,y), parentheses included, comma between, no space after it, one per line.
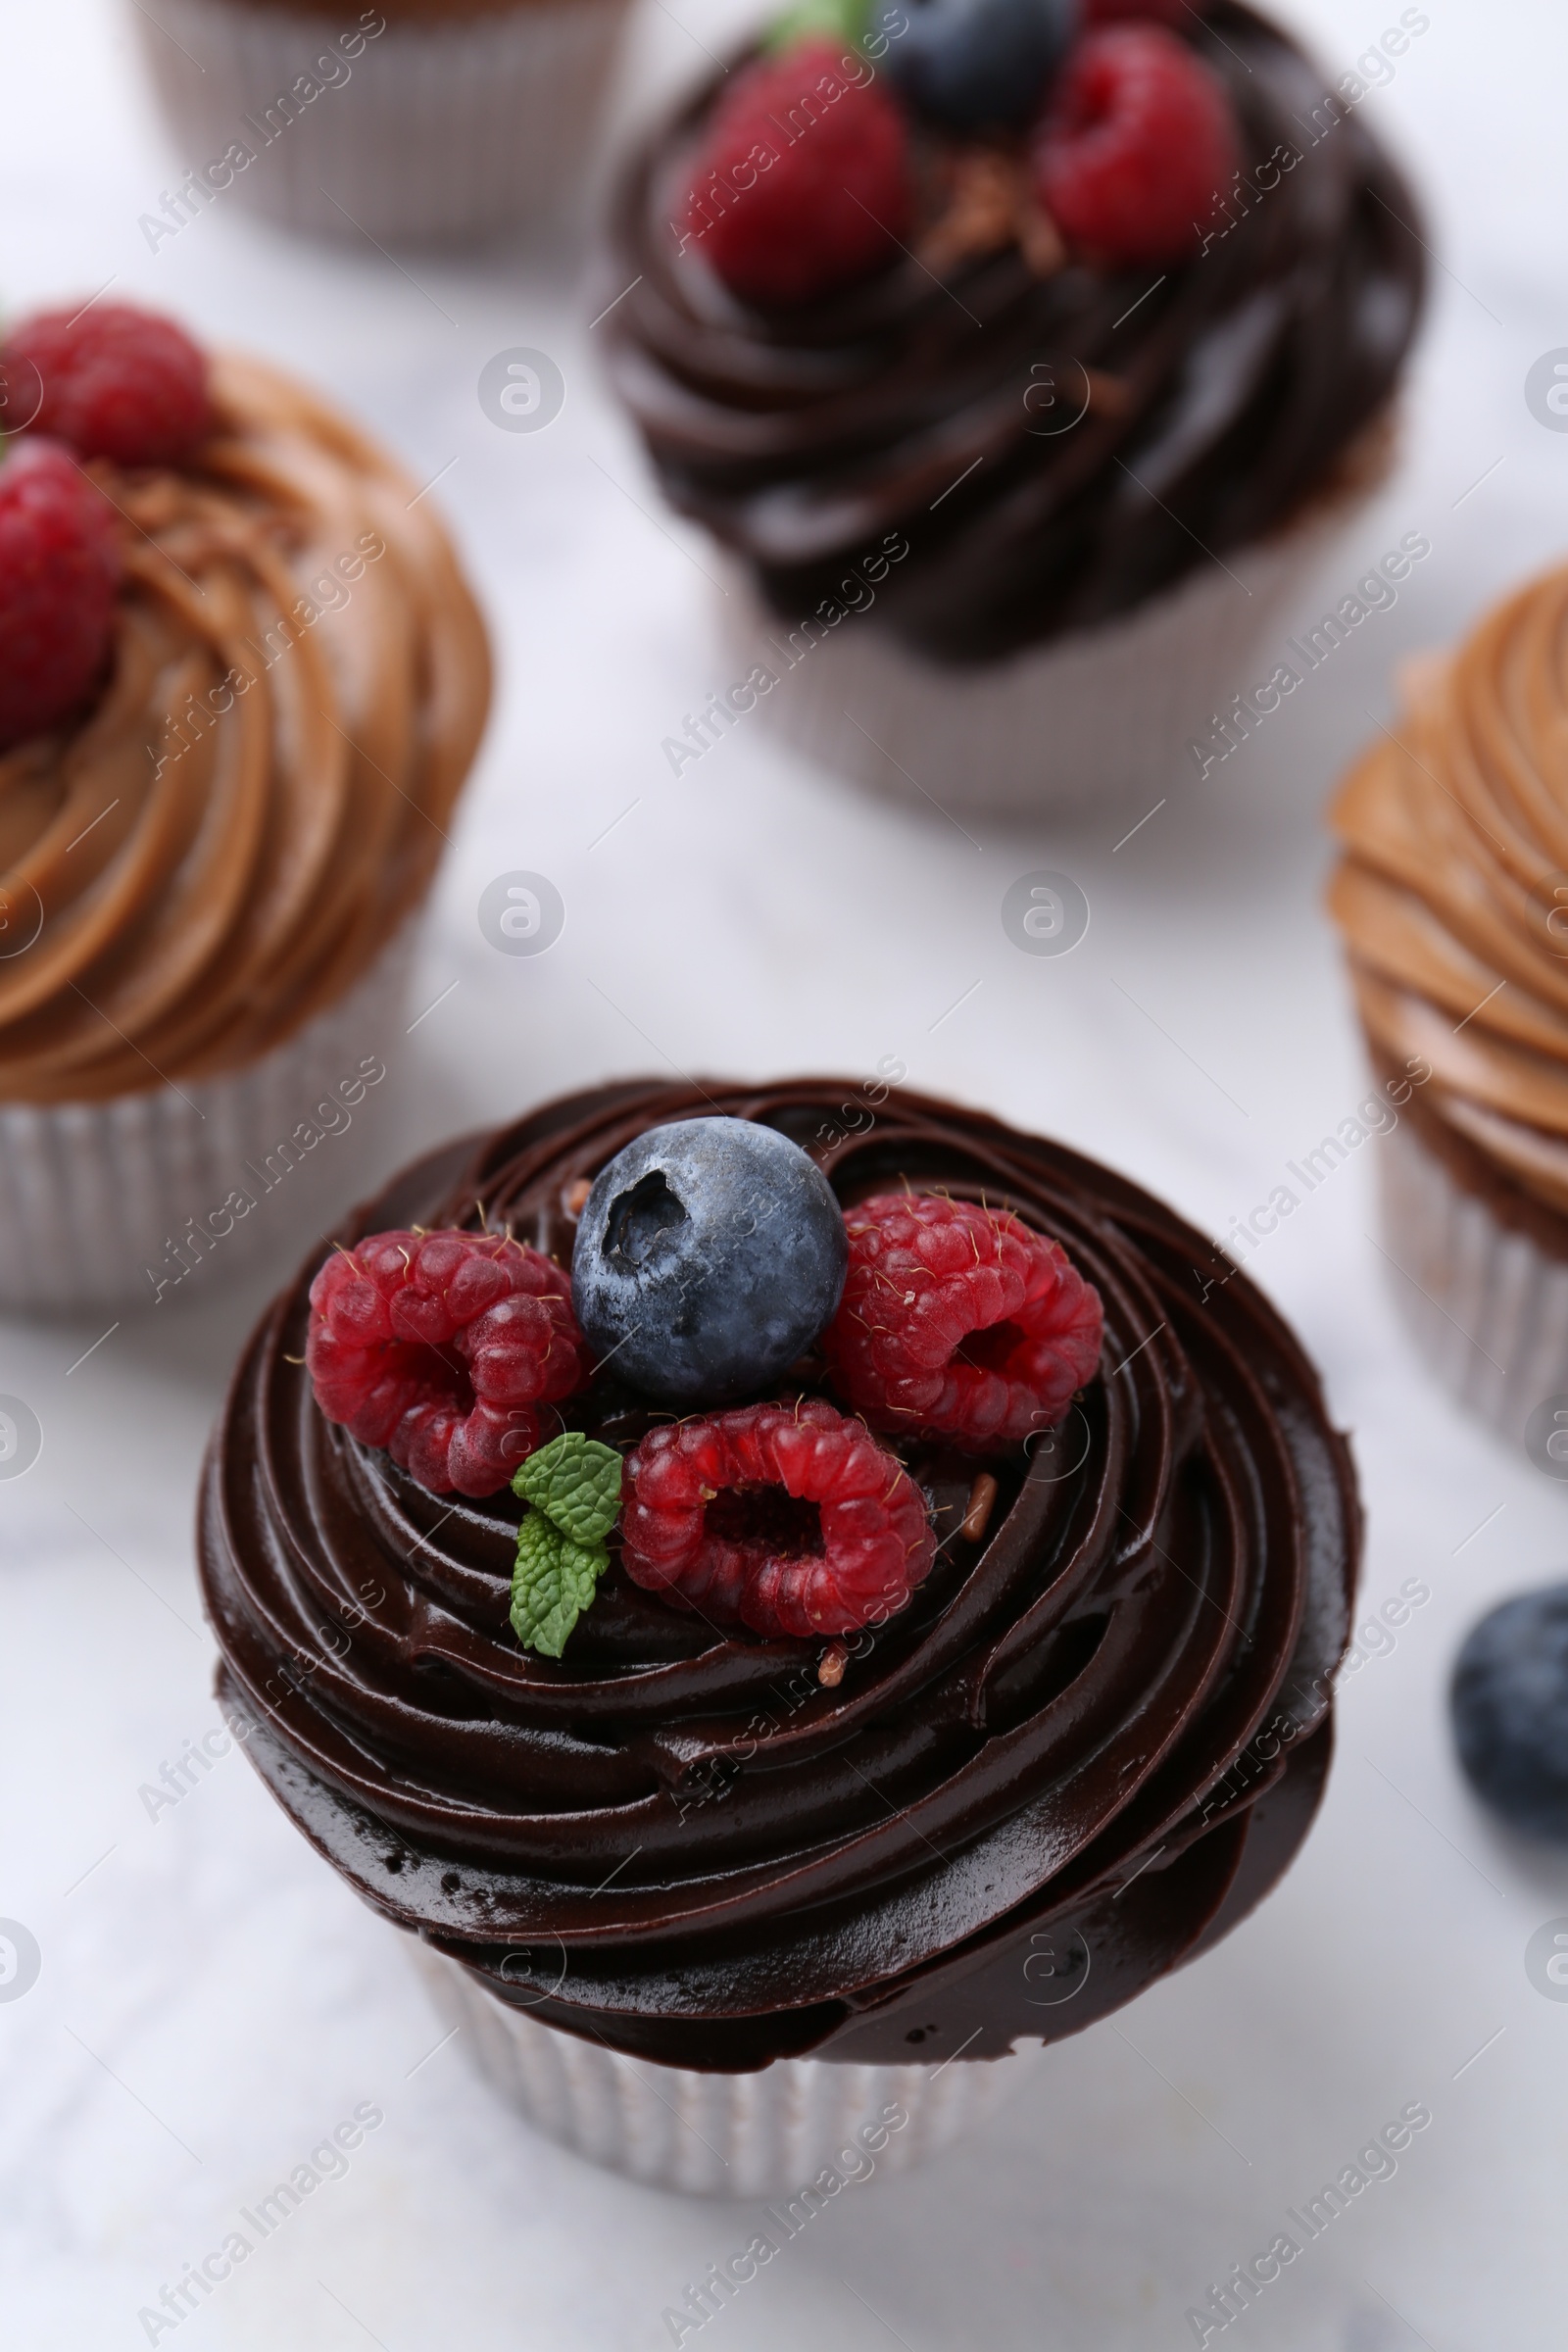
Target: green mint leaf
(553,1582)
(576,1483)
(818,19)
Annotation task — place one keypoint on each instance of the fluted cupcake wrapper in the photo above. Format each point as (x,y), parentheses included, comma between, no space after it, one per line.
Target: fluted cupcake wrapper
(1105,717)
(419,133)
(777,2133)
(124,1201)
(1487,1306)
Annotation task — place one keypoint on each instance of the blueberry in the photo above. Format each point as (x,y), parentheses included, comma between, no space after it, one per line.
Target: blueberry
(1510,1711)
(972,63)
(709,1257)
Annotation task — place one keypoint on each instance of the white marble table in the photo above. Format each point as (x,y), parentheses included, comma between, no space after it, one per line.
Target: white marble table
(211,2002)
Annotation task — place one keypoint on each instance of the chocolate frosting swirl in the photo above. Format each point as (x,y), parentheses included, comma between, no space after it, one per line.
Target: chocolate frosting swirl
(1222,394)
(1452,896)
(677,1838)
(300,679)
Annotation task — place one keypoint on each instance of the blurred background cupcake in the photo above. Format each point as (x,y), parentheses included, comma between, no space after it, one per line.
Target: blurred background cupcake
(1452,896)
(1023,357)
(414,121)
(241,683)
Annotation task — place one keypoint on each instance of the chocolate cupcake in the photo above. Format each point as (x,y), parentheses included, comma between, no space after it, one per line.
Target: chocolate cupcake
(419,121)
(1451,896)
(1021,405)
(935,1693)
(241,683)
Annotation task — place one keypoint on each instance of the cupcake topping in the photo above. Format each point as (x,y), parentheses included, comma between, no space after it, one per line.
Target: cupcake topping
(573,1488)
(59,569)
(1137,141)
(803,184)
(442,1348)
(108,380)
(958,1321)
(786,1518)
(105,381)
(813,172)
(708,1257)
(975,64)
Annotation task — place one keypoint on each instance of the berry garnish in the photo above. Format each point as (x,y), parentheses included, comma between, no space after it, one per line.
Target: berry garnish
(968,63)
(802,181)
(441,1348)
(786,1518)
(1137,140)
(709,1256)
(110,381)
(1510,1711)
(960,1322)
(60,568)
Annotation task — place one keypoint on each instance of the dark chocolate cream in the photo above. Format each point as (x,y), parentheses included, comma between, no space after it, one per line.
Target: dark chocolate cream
(1092,1742)
(934,413)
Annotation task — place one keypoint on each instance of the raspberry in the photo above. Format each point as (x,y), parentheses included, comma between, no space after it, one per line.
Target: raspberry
(784,1517)
(115,382)
(959,1322)
(58,571)
(439,1346)
(1137,139)
(803,183)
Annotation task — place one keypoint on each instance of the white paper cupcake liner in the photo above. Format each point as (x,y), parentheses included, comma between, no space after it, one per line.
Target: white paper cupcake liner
(1488,1308)
(774,2134)
(1106,716)
(138,1200)
(436,131)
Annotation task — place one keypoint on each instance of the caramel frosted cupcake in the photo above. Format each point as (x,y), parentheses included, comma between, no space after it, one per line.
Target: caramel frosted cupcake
(224,782)
(909,1631)
(1021,372)
(1452,896)
(416,120)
